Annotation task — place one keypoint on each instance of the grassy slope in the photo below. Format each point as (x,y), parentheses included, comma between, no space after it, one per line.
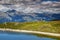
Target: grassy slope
(44,26)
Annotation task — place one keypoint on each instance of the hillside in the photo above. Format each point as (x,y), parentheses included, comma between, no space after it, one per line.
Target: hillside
(43,26)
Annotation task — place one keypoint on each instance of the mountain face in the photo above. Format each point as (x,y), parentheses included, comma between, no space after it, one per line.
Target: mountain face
(46,10)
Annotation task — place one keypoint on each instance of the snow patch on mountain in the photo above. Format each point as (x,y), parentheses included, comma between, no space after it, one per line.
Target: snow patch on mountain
(4,15)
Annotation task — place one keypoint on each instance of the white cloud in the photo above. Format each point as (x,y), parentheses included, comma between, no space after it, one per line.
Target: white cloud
(3,8)
(40,8)
(47,2)
(35,8)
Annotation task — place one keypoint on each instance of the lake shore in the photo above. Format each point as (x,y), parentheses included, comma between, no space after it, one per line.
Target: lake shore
(28,31)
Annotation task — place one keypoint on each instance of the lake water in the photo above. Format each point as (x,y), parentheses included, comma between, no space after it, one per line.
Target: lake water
(22,36)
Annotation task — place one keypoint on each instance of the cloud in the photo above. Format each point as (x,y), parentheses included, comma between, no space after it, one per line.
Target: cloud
(47,2)
(43,7)
(4,9)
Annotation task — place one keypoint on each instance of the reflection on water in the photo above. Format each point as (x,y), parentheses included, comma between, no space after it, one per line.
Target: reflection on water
(22,36)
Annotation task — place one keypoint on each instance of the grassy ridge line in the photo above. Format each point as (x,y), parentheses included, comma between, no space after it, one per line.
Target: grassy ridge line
(43,26)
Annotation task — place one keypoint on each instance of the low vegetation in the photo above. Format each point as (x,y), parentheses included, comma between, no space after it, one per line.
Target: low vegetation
(43,26)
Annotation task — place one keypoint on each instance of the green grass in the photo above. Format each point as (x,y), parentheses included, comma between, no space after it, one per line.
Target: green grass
(43,26)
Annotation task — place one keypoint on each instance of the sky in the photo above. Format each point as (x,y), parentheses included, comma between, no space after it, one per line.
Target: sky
(50,0)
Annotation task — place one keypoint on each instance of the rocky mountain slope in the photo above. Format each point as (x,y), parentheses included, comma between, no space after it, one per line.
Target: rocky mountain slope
(46,10)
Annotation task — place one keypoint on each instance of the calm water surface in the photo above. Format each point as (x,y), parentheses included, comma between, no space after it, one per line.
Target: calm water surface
(21,36)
